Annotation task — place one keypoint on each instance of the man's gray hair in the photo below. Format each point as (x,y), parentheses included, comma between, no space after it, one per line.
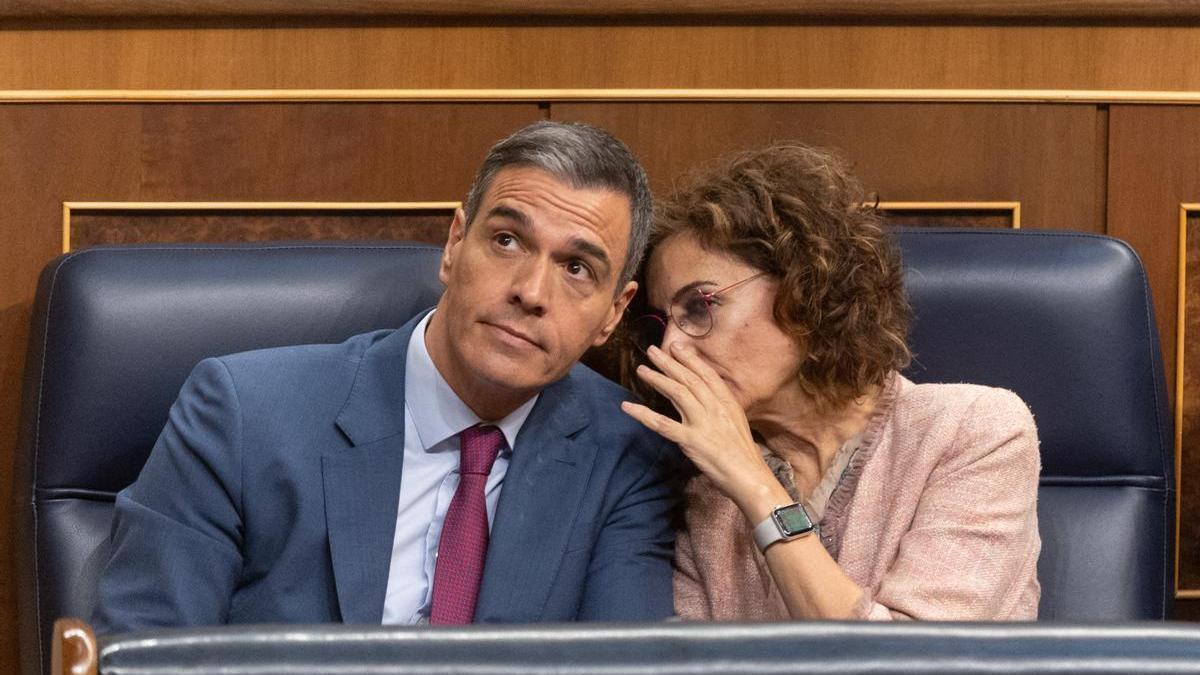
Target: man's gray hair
(582,156)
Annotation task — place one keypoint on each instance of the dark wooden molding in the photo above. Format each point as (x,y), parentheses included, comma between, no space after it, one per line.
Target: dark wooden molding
(784,9)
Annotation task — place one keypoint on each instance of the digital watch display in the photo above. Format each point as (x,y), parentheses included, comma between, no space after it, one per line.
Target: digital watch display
(785,523)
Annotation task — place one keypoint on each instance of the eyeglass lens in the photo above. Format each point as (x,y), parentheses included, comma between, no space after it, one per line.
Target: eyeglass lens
(691,313)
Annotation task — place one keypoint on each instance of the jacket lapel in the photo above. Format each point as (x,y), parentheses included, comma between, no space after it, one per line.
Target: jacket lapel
(362,483)
(542,493)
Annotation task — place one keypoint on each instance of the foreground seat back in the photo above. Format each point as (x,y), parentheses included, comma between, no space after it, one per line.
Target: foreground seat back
(116,331)
(664,649)
(1065,321)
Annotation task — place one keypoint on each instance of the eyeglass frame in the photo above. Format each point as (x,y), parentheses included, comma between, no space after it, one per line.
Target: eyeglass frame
(707,297)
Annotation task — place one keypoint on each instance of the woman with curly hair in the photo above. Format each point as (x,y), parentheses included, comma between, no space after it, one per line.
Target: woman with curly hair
(828,485)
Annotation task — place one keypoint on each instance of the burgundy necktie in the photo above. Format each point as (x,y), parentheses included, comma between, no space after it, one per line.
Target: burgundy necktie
(464,542)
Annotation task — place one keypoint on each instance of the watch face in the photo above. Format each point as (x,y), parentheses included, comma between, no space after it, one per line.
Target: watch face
(792,520)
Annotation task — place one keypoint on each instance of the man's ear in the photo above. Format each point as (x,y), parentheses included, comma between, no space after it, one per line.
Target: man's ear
(618,311)
(458,231)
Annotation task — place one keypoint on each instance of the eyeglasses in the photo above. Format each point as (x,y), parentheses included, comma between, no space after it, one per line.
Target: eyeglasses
(691,312)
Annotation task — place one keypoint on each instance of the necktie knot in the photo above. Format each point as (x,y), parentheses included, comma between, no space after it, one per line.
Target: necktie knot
(480,445)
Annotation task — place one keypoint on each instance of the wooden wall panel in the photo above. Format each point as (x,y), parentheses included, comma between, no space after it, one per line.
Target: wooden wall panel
(285,152)
(1154,166)
(55,153)
(473,9)
(107,226)
(46,153)
(963,216)
(1187,403)
(376,55)
(1048,157)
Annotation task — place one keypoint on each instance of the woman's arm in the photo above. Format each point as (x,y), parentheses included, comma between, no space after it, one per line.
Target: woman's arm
(714,434)
(971,550)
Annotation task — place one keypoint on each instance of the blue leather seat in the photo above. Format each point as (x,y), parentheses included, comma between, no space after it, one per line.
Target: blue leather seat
(116,331)
(1065,320)
(1062,319)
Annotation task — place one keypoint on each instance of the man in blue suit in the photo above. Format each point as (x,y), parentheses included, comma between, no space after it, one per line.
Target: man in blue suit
(461,468)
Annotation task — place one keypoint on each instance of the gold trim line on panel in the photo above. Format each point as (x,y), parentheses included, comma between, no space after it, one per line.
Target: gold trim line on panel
(1186,210)
(1089,96)
(1012,208)
(68,207)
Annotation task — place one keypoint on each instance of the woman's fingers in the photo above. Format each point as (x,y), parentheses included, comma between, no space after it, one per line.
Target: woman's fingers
(700,370)
(661,424)
(678,394)
(672,368)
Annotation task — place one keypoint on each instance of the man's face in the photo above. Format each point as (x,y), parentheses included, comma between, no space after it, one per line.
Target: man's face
(530,285)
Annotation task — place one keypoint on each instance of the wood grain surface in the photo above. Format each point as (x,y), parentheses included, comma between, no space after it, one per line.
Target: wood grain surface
(1189,412)
(379,55)
(1049,158)
(868,9)
(1154,166)
(140,227)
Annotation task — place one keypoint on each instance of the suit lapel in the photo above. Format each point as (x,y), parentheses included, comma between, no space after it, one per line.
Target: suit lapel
(362,483)
(543,490)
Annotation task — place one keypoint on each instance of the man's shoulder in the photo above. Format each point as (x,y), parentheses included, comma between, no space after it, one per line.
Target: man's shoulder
(597,390)
(600,399)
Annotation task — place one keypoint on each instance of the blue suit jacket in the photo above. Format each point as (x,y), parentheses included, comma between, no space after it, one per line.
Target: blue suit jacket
(271,496)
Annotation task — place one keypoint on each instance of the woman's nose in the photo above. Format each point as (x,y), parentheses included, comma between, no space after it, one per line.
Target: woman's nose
(671,335)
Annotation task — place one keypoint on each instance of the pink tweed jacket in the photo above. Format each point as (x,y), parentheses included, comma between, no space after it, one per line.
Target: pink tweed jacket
(935,517)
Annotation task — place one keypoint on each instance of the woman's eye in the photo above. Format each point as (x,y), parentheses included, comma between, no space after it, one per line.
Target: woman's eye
(696,307)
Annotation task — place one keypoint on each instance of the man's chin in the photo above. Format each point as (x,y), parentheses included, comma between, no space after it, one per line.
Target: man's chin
(519,376)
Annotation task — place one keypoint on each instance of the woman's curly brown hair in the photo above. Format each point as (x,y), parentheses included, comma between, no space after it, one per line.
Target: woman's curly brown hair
(798,213)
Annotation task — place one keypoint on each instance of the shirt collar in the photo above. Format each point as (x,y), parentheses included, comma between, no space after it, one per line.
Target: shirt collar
(436,411)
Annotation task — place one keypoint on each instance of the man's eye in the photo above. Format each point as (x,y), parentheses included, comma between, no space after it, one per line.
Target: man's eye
(505,240)
(577,269)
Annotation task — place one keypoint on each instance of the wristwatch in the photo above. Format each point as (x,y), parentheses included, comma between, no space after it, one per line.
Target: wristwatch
(785,523)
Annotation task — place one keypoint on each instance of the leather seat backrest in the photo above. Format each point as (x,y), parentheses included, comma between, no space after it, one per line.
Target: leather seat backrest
(1065,321)
(115,332)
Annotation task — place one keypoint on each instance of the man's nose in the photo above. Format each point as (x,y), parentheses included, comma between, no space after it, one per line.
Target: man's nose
(532,286)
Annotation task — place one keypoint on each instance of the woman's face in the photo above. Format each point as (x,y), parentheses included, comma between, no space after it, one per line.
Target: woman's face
(745,347)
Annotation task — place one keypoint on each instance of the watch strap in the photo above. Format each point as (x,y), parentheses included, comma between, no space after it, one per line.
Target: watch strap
(767,533)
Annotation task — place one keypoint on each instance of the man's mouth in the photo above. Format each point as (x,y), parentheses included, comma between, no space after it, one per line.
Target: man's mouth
(514,332)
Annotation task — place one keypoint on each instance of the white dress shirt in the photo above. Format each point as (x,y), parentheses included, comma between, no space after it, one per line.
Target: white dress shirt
(433,418)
